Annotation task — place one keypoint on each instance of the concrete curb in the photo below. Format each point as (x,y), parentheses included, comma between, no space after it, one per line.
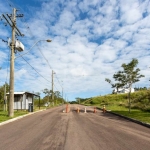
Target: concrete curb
(17,118)
(130,119)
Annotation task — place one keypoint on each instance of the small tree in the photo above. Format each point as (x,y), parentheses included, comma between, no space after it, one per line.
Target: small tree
(57,94)
(47,93)
(77,100)
(127,77)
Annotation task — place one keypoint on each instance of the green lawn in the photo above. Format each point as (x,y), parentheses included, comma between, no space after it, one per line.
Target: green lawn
(4,115)
(135,113)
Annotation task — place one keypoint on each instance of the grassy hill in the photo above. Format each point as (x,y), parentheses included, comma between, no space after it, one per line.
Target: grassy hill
(118,103)
(139,100)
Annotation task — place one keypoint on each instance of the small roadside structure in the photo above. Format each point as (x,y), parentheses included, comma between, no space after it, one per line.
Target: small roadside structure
(24,101)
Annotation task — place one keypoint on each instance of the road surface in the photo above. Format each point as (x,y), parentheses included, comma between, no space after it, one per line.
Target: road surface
(54,130)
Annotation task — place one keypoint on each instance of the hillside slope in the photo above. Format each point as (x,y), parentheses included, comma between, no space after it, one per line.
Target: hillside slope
(139,100)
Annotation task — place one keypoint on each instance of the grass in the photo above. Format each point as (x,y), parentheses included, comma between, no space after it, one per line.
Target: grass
(134,114)
(118,103)
(4,115)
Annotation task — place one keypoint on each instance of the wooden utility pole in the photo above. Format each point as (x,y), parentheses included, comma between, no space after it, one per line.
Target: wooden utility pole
(11,91)
(62,92)
(62,96)
(11,20)
(5,99)
(52,86)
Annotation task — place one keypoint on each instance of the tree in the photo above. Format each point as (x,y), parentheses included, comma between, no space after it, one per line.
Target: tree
(3,100)
(37,93)
(57,94)
(78,100)
(2,91)
(127,77)
(48,93)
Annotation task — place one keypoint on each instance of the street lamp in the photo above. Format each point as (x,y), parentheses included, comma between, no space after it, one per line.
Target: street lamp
(11,89)
(48,40)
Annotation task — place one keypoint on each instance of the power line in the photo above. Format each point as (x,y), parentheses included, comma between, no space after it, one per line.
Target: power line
(34,68)
(45,59)
(30,32)
(7,60)
(35,78)
(79,76)
(7,65)
(33,37)
(44,56)
(10,4)
(49,66)
(11,20)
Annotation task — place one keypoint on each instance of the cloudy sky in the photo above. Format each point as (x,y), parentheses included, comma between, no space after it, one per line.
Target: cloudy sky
(90,41)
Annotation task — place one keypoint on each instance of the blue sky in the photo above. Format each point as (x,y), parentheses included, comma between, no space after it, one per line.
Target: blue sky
(90,41)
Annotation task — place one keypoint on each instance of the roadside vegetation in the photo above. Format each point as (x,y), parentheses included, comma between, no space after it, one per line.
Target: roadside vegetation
(126,77)
(45,103)
(119,103)
(4,114)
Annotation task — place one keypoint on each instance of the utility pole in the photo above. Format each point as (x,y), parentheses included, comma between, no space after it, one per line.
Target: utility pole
(11,20)
(5,99)
(52,86)
(62,92)
(11,91)
(66,98)
(62,95)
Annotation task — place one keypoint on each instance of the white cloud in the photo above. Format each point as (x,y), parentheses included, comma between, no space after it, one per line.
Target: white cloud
(90,41)
(105,53)
(130,11)
(86,4)
(21,74)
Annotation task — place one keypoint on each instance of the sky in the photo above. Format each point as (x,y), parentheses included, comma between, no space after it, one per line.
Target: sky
(90,42)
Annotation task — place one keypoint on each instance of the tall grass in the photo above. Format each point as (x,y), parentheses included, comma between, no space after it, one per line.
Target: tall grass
(4,115)
(118,103)
(139,100)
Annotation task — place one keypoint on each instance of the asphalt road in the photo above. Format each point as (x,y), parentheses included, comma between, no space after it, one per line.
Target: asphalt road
(54,130)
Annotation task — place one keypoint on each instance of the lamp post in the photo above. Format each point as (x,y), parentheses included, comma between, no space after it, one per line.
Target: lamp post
(48,40)
(11,89)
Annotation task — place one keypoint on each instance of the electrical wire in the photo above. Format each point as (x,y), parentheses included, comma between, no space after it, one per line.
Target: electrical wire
(7,66)
(7,61)
(40,52)
(30,32)
(34,68)
(12,4)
